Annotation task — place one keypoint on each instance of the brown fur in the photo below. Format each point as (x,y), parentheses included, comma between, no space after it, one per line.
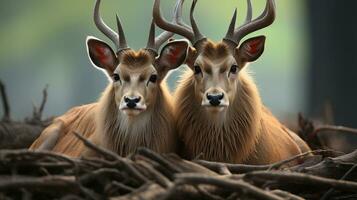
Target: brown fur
(79,119)
(105,125)
(135,58)
(154,129)
(215,50)
(246,133)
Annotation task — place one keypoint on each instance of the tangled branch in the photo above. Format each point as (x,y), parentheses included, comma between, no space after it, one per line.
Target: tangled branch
(20,134)
(148,175)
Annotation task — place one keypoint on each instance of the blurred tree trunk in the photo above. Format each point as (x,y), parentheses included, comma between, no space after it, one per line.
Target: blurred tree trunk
(333,66)
(333,50)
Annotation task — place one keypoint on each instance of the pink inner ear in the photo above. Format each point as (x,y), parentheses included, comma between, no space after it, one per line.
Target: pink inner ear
(102,55)
(254,46)
(173,54)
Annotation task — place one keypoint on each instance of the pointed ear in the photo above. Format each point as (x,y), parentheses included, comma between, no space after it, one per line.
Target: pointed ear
(191,57)
(101,55)
(250,50)
(171,57)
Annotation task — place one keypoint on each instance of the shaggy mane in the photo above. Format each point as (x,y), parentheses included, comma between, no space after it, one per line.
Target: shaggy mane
(123,137)
(135,58)
(247,133)
(215,50)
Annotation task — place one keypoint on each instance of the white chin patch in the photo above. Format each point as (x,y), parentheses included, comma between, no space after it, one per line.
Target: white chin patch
(132,111)
(205,103)
(215,109)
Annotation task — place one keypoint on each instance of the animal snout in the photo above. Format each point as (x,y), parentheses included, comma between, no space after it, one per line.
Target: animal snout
(131,102)
(215,99)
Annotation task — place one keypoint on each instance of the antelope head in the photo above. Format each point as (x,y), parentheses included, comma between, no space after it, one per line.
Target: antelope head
(216,66)
(134,75)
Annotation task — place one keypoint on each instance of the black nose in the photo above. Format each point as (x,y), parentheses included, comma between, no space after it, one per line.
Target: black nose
(215,99)
(131,101)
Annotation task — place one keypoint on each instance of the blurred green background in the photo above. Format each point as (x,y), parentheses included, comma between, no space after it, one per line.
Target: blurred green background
(43,42)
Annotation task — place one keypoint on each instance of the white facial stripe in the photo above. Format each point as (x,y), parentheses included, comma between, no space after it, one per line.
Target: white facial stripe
(134,78)
(216,70)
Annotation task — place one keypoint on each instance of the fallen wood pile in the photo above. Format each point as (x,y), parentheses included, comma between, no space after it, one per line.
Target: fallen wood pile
(147,175)
(21,134)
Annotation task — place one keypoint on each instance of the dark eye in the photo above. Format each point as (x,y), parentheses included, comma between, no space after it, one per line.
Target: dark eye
(234,69)
(116,77)
(197,69)
(153,78)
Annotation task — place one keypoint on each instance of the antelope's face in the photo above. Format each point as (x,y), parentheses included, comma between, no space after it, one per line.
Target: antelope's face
(216,65)
(216,68)
(135,82)
(136,75)
(215,71)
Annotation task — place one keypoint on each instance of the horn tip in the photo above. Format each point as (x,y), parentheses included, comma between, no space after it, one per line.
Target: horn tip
(152,25)
(234,17)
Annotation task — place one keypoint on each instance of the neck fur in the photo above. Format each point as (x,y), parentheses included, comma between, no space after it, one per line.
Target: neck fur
(229,137)
(124,135)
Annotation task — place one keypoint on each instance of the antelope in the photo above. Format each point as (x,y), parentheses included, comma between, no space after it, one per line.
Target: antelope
(136,107)
(220,114)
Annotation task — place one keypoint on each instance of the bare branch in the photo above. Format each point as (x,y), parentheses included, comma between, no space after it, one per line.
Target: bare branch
(37,112)
(43,103)
(243,168)
(6,117)
(58,182)
(158,158)
(111,155)
(286,195)
(333,129)
(289,160)
(238,185)
(300,178)
(104,152)
(330,191)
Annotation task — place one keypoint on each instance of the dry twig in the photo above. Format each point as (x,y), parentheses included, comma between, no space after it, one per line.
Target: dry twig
(5,102)
(140,177)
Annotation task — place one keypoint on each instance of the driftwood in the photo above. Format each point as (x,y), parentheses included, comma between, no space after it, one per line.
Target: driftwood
(147,175)
(16,134)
